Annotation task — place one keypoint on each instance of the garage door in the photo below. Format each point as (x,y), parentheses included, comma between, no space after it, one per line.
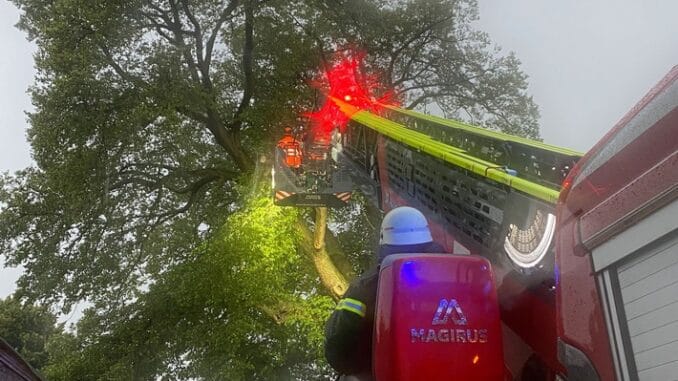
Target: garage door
(649,290)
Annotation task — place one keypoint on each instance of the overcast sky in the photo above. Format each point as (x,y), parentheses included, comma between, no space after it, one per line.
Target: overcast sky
(16,74)
(589,62)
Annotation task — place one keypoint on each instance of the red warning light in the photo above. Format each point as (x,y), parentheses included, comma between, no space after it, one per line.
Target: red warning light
(346,81)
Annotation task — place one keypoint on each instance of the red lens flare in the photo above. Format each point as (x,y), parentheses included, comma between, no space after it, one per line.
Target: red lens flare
(346,81)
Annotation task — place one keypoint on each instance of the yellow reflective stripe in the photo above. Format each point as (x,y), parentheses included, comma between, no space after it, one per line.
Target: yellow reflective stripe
(352,305)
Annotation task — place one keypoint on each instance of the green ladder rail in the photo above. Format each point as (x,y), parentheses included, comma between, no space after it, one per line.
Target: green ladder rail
(496,171)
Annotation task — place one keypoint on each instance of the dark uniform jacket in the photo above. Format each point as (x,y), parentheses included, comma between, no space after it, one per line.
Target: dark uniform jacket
(348,334)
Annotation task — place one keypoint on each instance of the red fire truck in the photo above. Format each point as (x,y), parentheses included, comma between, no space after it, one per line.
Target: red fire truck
(582,249)
(587,282)
(617,249)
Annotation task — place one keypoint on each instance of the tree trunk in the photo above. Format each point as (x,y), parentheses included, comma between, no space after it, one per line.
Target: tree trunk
(320,226)
(230,142)
(314,242)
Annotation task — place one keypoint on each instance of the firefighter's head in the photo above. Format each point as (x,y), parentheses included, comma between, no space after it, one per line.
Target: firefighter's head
(288,131)
(404,230)
(404,226)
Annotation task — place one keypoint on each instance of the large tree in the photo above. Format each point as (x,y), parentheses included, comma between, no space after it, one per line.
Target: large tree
(152,118)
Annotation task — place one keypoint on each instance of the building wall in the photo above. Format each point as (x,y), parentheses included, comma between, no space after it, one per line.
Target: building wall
(13,367)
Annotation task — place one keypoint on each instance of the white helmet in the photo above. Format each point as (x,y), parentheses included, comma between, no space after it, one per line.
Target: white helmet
(404,226)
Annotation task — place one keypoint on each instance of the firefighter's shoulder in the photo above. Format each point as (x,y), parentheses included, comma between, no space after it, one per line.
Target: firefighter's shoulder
(363,288)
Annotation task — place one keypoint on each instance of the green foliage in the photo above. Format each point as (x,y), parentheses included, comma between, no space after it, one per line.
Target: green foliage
(28,329)
(357,230)
(243,308)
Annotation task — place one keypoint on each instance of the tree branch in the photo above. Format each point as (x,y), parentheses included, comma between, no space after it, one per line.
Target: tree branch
(125,75)
(192,114)
(247,63)
(177,28)
(330,276)
(199,50)
(418,101)
(394,55)
(215,31)
(193,189)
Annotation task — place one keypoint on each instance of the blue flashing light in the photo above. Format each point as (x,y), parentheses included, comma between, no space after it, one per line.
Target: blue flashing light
(408,273)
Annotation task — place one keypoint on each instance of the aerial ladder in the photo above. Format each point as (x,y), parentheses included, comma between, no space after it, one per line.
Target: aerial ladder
(484,192)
